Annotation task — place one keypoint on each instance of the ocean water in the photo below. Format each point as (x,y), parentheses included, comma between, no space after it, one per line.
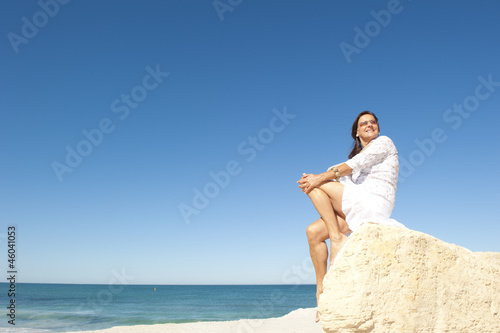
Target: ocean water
(74,307)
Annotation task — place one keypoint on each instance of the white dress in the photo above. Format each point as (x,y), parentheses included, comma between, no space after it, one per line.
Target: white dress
(370,190)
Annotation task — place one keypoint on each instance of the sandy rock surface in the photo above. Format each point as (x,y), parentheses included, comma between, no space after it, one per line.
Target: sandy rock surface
(391,279)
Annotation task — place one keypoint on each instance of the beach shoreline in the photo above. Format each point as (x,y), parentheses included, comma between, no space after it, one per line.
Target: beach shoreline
(300,320)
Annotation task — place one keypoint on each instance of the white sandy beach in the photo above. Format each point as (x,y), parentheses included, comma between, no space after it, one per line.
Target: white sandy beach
(298,321)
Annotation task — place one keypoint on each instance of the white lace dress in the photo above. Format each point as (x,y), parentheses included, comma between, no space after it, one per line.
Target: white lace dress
(370,190)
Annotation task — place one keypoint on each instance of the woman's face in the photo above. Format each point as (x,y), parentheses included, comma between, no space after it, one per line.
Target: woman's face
(367,128)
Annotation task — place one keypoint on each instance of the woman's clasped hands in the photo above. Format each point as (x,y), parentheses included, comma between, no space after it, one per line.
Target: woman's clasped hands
(309,181)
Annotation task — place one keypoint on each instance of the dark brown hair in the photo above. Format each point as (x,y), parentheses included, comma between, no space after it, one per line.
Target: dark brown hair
(357,142)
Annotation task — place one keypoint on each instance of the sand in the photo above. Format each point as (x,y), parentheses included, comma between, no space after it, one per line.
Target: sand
(299,321)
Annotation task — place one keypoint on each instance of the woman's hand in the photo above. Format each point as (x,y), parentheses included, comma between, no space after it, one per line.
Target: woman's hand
(310,181)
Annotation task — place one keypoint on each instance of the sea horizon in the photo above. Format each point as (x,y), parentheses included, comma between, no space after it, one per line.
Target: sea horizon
(62,307)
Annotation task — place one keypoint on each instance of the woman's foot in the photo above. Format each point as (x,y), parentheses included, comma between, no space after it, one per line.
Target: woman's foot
(336,247)
(318,293)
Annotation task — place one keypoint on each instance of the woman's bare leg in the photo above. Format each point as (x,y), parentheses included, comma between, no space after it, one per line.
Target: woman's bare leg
(327,200)
(317,234)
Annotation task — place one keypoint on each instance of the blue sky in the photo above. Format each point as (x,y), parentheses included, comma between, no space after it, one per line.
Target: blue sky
(157,97)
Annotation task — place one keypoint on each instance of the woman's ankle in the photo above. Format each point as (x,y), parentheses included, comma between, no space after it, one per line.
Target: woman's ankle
(337,238)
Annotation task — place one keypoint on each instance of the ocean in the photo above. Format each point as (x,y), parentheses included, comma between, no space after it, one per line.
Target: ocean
(76,307)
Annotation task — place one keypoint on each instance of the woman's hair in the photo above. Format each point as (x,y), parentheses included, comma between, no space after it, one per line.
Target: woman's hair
(357,142)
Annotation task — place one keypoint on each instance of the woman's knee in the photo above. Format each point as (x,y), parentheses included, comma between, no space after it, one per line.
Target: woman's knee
(332,188)
(316,233)
(313,193)
(310,231)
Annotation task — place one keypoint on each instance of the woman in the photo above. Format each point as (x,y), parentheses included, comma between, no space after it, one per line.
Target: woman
(350,194)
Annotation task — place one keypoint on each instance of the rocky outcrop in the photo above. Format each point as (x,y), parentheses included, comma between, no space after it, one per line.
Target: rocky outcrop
(390,279)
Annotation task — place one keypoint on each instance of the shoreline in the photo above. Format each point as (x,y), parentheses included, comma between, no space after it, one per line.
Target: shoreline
(300,321)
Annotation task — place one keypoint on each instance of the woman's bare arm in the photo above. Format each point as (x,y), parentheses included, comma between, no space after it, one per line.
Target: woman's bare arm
(310,181)
(343,168)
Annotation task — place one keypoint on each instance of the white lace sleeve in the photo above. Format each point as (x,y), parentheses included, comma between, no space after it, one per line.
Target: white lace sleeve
(374,153)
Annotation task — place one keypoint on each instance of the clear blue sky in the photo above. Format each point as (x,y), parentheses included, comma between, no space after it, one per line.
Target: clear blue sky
(172,91)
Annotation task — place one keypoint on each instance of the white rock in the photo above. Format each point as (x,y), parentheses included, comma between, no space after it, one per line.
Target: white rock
(390,279)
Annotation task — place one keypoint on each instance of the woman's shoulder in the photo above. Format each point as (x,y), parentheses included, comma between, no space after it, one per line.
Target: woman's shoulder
(385,141)
(384,138)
